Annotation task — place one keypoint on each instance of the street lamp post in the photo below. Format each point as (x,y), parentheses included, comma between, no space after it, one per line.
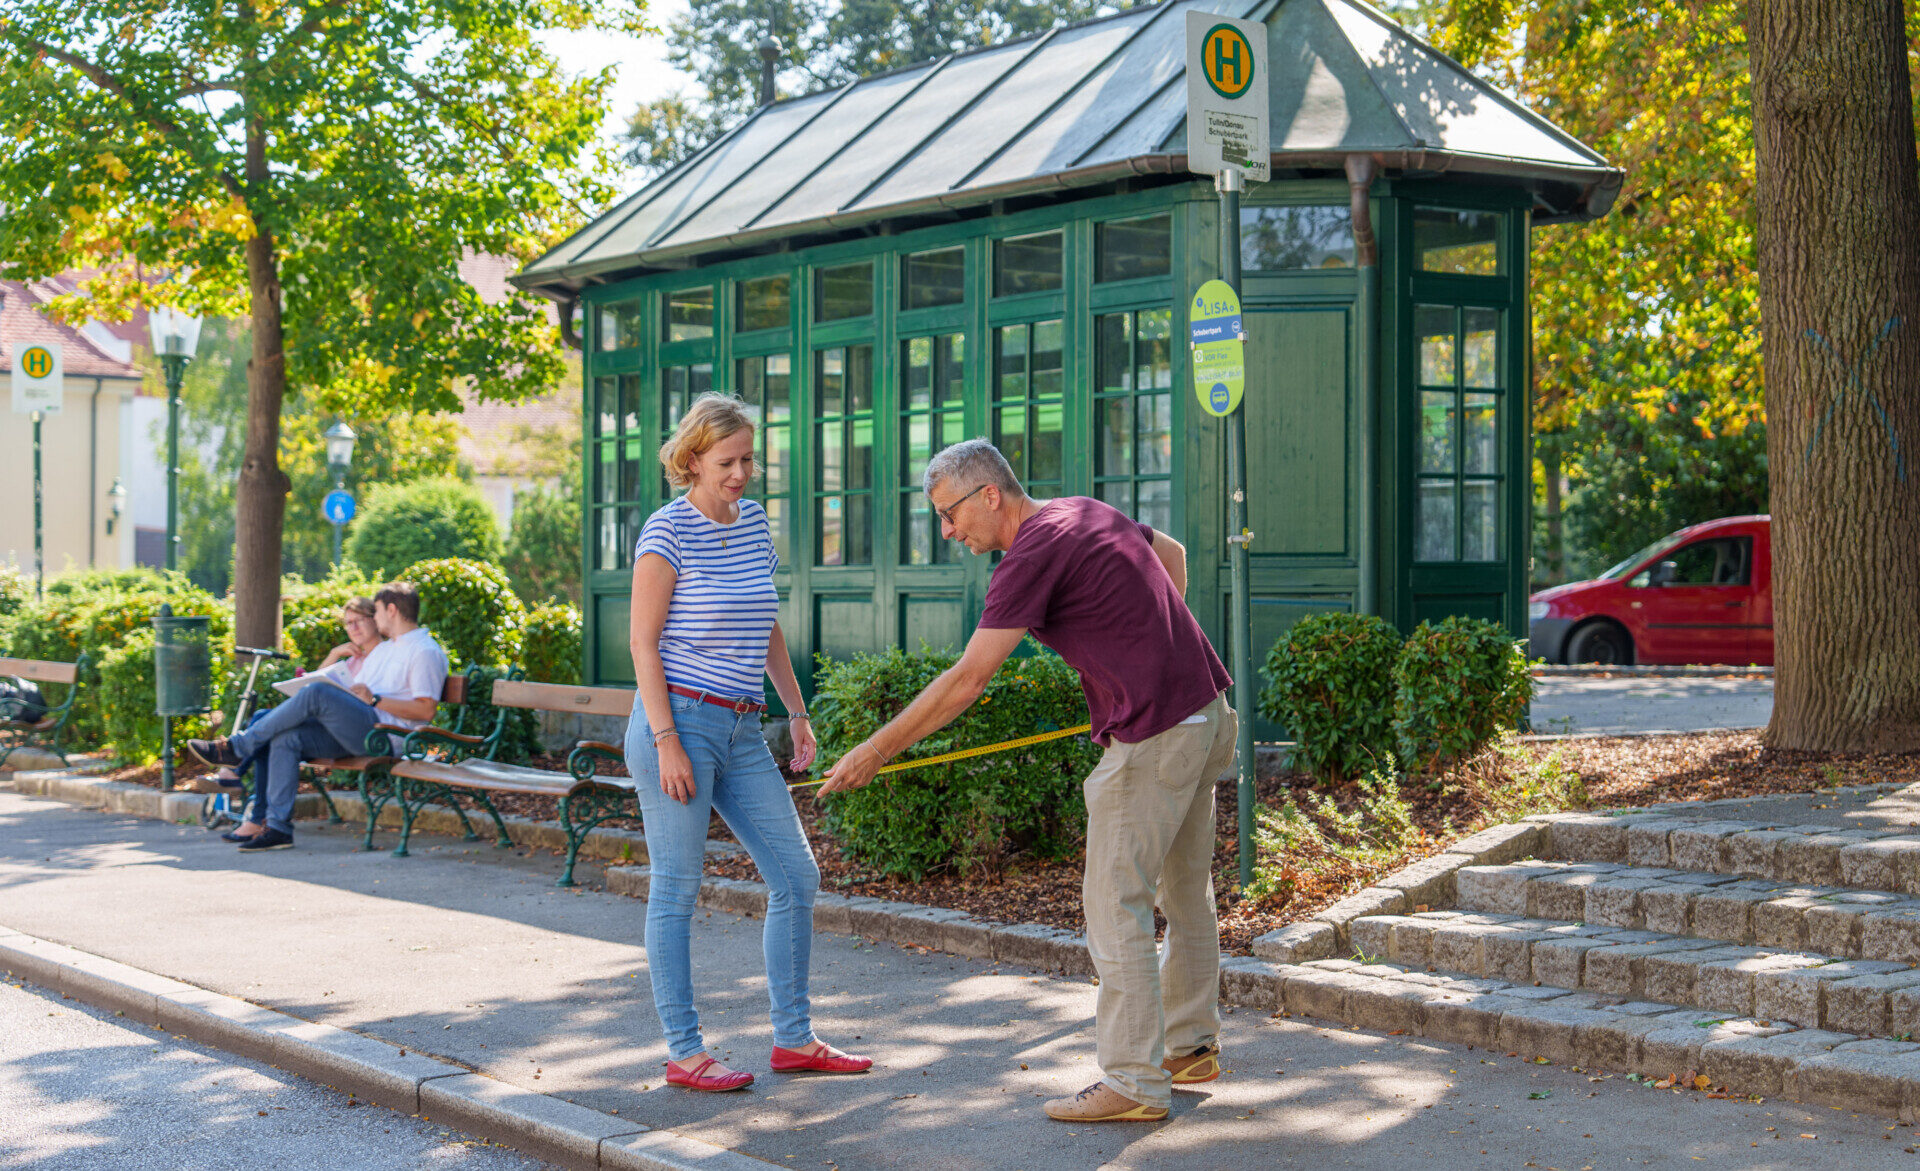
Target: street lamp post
(176,335)
(340,440)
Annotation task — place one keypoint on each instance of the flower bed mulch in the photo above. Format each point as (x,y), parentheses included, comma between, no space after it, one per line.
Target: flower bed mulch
(1618,771)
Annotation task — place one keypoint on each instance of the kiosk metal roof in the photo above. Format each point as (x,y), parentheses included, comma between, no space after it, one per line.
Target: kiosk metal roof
(1078,106)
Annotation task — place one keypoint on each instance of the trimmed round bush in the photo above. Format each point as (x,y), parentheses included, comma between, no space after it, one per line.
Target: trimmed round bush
(404,524)
(970,816)
(1331,685)
(550,647)
(1457,683)
(471,608)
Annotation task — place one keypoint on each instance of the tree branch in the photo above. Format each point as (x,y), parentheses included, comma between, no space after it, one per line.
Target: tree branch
(141,105)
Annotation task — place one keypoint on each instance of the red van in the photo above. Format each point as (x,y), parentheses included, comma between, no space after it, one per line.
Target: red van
(1701,595)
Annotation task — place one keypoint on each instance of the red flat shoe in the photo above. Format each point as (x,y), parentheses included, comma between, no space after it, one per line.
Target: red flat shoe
(696,1079)
(826,1059)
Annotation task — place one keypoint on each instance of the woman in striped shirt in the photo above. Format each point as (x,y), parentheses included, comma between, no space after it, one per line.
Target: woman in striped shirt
(704,635)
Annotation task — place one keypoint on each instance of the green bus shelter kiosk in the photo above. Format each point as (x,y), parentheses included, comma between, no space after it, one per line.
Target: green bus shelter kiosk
(1005,241)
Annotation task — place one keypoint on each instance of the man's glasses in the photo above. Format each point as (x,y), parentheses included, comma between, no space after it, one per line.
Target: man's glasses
(946,514)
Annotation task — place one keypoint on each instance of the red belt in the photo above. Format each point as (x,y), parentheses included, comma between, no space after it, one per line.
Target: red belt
(739,707)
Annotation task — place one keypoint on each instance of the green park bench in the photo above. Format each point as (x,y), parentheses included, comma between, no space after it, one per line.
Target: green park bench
(372,778)
(585,799)
(46,731)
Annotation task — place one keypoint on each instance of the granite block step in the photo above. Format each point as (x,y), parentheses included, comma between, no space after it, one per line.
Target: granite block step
(1863,997)
(1823,855)
(1838,921)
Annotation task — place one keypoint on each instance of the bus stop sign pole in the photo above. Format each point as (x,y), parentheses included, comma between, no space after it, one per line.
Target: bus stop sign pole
(1229,184)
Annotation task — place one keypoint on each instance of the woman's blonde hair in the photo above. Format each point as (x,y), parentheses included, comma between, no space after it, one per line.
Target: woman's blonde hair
(712,418)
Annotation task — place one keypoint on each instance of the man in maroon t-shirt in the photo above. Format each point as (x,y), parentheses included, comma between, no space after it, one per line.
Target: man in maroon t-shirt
(1106,593)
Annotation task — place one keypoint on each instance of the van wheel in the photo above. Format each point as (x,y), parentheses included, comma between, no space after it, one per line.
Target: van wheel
(1600,643)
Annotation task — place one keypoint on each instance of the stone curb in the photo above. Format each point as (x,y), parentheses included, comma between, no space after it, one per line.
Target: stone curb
(125,797)
(365,1067)
(1652,672)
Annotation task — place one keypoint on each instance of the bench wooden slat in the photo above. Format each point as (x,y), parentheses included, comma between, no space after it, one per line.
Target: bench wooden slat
(455,691)
(349,764)
(500,778)
(559,697)
(39,670)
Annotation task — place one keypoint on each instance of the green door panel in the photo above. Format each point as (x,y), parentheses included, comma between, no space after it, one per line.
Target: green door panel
(1272,617)
(935,620)
(844,624)
(614,660)
(1432,608)
(1298,439)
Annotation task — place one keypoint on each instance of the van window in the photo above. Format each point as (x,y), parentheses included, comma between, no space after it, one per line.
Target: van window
(1716,561)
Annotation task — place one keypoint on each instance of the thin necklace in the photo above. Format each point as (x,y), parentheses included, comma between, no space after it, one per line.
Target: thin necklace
(717,524)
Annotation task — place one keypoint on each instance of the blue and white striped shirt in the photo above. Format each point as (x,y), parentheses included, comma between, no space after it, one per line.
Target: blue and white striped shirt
(724,603)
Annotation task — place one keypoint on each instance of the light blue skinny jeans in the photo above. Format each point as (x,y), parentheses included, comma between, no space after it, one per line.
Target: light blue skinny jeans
(735,774)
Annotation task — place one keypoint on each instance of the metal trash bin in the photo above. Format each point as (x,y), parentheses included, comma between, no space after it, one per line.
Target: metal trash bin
(182,676)
(182,664)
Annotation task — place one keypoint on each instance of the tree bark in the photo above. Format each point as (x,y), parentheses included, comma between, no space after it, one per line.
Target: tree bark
(260,498)
(1838,203)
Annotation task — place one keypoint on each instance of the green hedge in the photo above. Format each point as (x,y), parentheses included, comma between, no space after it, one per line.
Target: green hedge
(1456,684)
(402,524)
(1331,686)
(969,816)
(550,644)
(471,608)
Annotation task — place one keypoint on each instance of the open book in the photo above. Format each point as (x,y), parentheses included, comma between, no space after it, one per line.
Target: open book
(336,675)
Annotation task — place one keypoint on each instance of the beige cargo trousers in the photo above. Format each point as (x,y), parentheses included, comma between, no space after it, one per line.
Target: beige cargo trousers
(1150,842)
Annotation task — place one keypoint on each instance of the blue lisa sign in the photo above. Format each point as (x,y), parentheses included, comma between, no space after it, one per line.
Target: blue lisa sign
(338,506)
(1218,359)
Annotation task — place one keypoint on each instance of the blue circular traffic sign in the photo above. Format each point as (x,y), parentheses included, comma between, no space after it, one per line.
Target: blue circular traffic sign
(338,506)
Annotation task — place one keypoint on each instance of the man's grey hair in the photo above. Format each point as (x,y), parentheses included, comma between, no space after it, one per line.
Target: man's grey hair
(969,464)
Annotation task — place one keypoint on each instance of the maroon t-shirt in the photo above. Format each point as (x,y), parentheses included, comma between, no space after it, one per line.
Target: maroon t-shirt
(1083,578)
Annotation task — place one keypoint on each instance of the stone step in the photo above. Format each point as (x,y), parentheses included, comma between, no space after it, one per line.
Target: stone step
(1836,921)
(1867,859)
(1873,998)
(1749,1056)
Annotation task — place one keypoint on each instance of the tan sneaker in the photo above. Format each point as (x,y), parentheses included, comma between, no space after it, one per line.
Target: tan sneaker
(1100,1102)
(1202,1065)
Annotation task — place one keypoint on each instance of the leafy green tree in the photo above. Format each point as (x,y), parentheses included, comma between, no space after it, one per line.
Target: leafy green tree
(823,44)
(321,166)
(543,551)
(421,521)
(394,448)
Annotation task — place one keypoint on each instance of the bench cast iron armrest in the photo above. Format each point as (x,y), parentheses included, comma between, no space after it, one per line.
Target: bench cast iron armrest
(580,760)
(412,748)
(378,743)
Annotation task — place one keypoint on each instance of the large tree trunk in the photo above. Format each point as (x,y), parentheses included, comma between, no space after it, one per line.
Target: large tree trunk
(260,500)
(1838,207)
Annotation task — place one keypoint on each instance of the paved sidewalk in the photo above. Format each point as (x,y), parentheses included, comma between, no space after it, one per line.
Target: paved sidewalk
(1572,704)
(465,953)
(79,1088)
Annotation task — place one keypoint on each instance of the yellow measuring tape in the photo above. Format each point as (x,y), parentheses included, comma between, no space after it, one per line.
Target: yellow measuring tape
(964,753)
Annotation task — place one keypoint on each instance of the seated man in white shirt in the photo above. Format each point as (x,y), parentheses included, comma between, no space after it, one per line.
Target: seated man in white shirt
(399,684)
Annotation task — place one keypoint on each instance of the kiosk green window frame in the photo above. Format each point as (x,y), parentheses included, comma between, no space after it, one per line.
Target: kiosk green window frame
(1029,403)
(765,383)
(1133,407)
(932,417)
(1459,463)
(843,454)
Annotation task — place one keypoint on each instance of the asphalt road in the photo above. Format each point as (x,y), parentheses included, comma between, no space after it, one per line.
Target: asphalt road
(472,954)
(1575,704)
(80,1088)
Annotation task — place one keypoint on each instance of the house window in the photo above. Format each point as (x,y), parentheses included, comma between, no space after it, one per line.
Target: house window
(765,303)
(1459,473)
(1029,404)
(1133,414)
(1028,264)
(931,418)
(843,291)
(929,279)
(620,454)
(689,314)
(766,384)
(1131,249)
(843,455)
(1295,239)
(618,326)
(1465,243)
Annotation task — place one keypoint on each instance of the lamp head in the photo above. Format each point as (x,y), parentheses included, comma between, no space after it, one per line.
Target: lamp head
(340,440)
(175,333)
